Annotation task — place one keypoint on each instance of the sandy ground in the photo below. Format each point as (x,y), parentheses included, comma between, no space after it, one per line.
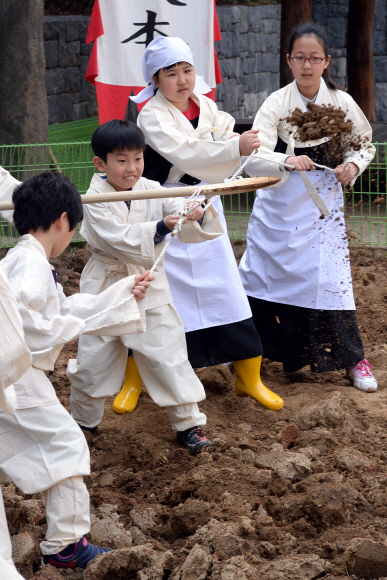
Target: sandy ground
(278,494)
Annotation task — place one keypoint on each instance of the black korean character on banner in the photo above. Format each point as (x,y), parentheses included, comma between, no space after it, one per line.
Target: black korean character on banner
(176,3)
(148,28)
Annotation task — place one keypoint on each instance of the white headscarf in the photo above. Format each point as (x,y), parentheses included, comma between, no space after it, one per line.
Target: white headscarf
(163,52)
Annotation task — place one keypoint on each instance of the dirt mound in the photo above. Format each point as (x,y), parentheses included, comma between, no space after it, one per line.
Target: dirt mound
(137,562)
(321,121)
(188,517)
(279,495)
(329,413)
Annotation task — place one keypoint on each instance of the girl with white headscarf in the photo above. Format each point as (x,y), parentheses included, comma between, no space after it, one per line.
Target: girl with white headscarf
(189,141)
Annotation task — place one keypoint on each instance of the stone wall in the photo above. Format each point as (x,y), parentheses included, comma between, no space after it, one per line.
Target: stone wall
(70,96)
(333,14)
(248,55)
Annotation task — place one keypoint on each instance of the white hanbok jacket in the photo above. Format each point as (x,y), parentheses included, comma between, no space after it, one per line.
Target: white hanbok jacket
(14,361)
(122,241)
(50,319)
(270,122)
(15,357)
(7,185)
(170,133)
(292,256)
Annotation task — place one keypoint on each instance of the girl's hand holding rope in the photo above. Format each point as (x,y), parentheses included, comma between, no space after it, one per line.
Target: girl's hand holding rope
(300,162)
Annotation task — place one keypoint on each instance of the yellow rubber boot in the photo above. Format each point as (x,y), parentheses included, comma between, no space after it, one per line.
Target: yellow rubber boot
(127,399)
(249,384)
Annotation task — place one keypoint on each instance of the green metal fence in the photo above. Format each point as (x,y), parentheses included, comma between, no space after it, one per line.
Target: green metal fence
(365,206)
(365,203)
(24,161)
(73,131)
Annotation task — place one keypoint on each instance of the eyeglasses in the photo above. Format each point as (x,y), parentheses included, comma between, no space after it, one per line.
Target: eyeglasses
(302,59)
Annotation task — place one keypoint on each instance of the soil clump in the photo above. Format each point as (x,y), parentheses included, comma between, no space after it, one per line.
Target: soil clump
(322,121)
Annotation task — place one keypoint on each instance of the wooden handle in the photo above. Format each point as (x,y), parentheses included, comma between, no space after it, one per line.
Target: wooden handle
(239,186)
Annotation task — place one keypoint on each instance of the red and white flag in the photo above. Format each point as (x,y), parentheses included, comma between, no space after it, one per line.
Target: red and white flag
(122,29)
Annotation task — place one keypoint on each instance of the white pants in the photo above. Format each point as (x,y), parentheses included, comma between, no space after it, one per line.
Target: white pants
(67,513)
(161,357)
(7,568)
(43,449)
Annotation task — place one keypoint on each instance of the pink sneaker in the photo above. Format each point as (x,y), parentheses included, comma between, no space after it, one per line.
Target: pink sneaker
(361,377)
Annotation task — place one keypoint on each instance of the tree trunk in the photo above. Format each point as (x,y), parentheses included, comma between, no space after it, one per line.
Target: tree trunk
(360,55)
(23,97)
(293,13)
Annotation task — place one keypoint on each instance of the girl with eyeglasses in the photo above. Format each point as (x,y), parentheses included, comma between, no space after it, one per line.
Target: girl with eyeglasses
(296,268)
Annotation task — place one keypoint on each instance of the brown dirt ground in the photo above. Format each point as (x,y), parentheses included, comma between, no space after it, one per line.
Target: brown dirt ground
(136,463)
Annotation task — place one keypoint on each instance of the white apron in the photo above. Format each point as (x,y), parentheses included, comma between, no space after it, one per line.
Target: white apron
(292,256)
(204,280)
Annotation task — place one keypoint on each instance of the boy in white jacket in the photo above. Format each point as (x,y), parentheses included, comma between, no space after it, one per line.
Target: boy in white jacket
(42,449)
(126,238)
(15,360)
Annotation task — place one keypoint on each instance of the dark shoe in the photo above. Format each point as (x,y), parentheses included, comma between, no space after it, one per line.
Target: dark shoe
(92,430)
(74,555)
(193,438)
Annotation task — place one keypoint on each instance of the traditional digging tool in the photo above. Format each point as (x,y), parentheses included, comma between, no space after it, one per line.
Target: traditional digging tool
(292,166)
(234,185)
(229,188)
(311,190)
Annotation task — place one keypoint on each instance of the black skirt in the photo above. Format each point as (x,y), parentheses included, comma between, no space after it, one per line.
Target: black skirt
(225,343)
(326,340)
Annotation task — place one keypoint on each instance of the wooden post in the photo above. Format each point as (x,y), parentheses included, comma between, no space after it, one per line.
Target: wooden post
(293,12)
(360,55)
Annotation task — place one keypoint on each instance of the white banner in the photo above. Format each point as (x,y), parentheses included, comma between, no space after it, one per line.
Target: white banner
(130,25)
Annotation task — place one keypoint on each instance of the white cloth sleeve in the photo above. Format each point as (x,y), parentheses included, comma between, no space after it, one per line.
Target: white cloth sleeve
(125,319)
(211,228)
(172,205)
(7,186)
(192,232)
(364,156)
(200,158)
(266,120)
(41,333)
(15,357)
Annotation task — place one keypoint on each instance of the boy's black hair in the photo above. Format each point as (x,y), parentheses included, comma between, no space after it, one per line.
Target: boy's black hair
(42,199)
(117,135)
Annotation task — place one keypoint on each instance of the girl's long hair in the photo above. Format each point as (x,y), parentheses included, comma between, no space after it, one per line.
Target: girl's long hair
(317,30)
